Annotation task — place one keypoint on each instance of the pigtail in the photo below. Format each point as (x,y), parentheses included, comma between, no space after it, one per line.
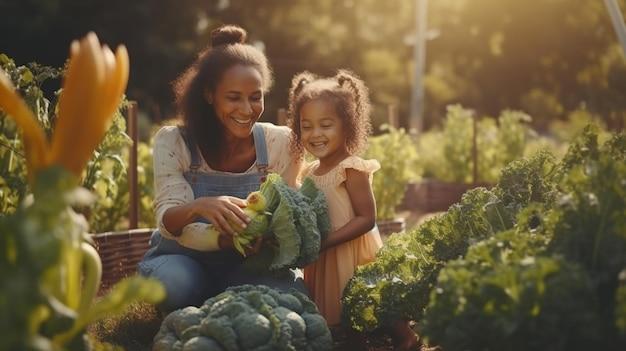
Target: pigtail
(298,83)
(355,86)
(352,83)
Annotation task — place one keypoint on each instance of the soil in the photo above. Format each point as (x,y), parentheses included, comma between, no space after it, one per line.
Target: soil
(135,330)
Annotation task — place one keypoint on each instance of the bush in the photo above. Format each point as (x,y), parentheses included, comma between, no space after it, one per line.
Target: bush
(446,154)
(543,248)
(399,164)
(563,294)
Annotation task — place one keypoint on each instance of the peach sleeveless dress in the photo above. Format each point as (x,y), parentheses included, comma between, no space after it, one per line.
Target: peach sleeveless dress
(327,277)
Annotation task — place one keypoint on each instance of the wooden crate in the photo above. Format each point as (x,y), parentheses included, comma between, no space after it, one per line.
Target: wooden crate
(432,195)
(386,228)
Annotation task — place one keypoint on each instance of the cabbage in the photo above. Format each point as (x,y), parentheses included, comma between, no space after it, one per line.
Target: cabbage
(299,219)
(319,205)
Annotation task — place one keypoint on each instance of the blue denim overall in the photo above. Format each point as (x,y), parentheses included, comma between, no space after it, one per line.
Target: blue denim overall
(190,276)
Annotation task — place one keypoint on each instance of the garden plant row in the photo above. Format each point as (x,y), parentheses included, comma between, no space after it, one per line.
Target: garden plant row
(536,263)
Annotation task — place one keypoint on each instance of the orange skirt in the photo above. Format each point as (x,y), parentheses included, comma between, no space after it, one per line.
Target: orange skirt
(327,277)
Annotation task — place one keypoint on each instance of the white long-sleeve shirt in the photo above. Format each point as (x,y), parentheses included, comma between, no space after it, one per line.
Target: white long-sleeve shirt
(172,158)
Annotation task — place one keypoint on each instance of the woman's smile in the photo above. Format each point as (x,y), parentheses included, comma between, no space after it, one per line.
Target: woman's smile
(238,100)
(242,121)
(245,123)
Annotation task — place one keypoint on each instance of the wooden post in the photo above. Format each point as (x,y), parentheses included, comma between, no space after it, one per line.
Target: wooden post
(475,147)
(618,21)
(416,119)
(133,191)
(392,115)
(282,117)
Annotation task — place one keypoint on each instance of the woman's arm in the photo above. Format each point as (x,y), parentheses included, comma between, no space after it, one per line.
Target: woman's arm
(174,201)
(177,217)
(221,211)
(362,200)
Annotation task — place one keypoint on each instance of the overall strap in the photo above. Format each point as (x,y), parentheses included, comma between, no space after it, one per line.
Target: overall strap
(193,149)
(261,149)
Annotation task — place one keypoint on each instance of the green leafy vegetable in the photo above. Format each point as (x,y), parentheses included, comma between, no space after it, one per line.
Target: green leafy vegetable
(246,318)
(556,281)
(398,283)
(299,219)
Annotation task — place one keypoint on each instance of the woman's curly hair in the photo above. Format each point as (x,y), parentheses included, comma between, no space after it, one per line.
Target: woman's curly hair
(346,92)
(228,48)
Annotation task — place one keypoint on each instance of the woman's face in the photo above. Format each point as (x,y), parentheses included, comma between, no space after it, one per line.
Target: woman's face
(238,100)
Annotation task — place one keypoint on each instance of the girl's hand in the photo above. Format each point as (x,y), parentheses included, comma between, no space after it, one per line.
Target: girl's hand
(225,241)
(251,250)
(221,211)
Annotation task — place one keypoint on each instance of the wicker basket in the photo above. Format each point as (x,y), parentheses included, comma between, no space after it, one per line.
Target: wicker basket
(120,252)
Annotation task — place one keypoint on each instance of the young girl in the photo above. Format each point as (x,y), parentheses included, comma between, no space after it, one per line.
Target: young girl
(330,119)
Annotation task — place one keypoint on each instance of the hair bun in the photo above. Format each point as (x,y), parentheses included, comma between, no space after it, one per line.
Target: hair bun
(229,34)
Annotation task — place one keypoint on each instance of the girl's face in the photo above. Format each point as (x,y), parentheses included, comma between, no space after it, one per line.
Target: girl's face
(238,100)
(322,130)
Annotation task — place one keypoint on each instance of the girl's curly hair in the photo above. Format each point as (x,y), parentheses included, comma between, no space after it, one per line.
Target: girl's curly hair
(346,92)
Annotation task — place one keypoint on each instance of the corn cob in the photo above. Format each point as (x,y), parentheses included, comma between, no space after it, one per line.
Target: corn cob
(92,89)
(255,207)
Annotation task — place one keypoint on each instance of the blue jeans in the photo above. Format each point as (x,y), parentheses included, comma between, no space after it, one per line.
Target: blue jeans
(191,277)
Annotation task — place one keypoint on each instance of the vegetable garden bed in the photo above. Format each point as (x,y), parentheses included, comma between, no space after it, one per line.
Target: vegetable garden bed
(136,329)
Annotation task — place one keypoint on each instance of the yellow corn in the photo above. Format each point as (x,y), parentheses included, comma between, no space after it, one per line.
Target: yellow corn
(92,89)
(79,106)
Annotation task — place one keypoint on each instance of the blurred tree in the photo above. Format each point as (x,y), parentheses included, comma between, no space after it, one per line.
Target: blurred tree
(547,57)
(366,36)
(161,36)
(295,35)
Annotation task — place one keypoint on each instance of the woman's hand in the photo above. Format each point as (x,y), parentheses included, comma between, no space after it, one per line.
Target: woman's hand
(224,212)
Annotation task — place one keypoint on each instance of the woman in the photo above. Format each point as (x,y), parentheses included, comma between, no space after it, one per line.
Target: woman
(205,168)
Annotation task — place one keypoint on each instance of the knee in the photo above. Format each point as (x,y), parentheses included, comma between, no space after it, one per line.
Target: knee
(184,281)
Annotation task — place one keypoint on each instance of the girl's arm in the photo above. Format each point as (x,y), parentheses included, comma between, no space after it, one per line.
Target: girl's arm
(282,160)
(362,199)
(292,175)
